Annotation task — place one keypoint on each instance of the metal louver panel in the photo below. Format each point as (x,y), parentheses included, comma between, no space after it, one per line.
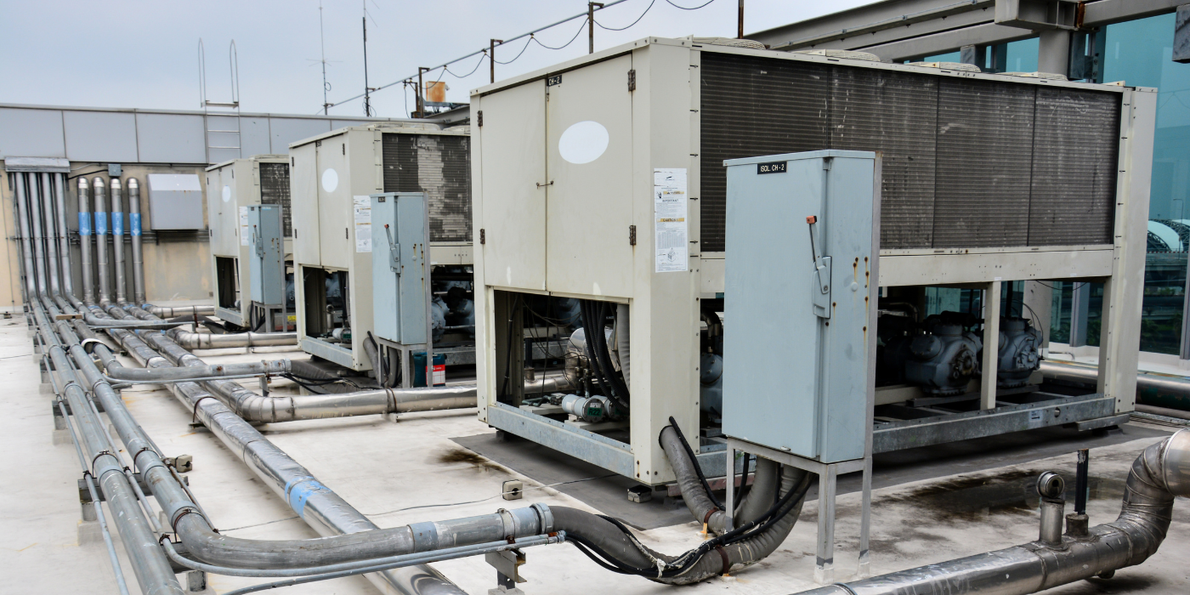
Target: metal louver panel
(896,113)
(967,163)
(754,107)
(985,153)
(274,190)
(440,166)
(1074,168)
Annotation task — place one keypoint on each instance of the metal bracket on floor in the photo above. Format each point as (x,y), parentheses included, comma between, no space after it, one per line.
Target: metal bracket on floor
(507,564)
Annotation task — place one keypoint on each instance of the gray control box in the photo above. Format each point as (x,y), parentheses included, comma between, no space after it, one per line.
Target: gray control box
(801,291)
(265,261)
(400,267)
(175,201)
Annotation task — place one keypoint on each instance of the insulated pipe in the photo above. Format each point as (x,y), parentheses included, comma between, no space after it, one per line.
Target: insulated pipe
(1161,472)
(153,571)
(192,340)
(63,236)
(118,241)
(85,240)
(171,312)
(26,240)
(49,222)
(138,261)
(38,235)
(1162,390)
(118,373)
(105,291)
(320,507)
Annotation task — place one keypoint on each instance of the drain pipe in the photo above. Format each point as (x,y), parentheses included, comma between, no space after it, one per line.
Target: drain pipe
(105,292)
(1159,474)
(26,240)
(152,570)
(118,241)
(38,235)
(48,222)
(85,240)
(138,261)
(63,239)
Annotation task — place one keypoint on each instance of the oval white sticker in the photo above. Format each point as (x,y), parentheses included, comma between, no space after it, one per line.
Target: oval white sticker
(226,193)
(583,142)
(330,180)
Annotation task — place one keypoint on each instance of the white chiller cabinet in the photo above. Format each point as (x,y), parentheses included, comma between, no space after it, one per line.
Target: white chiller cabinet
(333,178)
(987,179)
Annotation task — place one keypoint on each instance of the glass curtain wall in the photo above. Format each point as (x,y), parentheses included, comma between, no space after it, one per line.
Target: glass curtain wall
(1140,54)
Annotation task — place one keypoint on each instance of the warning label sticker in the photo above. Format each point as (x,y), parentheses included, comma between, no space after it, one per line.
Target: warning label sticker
(670,206)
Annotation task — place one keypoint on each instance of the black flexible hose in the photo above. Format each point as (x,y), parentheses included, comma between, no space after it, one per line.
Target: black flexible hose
(694,463)
(594,314)
(743,487)
(588,326)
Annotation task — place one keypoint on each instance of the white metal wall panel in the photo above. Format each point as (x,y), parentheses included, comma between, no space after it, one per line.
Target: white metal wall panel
(31,133)
(291,130)
(514,204)
(254,138)
(100,136)
(589,203)
(170,138)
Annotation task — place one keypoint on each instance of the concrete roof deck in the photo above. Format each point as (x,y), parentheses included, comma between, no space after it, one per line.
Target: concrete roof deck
(936,505)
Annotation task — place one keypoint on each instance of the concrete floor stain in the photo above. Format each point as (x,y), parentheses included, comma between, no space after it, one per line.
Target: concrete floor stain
(460,455)
(973,499)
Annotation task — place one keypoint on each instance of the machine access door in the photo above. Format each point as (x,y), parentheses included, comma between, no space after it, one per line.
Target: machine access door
(303,203)
(335,203)
(513,184)
(589,249)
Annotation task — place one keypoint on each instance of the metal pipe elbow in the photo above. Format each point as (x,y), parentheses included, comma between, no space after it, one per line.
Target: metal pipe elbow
(83,185)
(115,184)
(99,184)
(133,185)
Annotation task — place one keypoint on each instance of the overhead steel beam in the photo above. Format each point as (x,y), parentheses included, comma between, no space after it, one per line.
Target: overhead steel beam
(1106,12)
(948,41)
(865,19)
(905,29)
(856,39)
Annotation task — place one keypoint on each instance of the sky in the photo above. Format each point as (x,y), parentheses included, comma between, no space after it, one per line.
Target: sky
(144,54)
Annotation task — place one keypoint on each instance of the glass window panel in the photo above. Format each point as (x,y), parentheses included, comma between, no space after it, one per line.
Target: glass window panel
(1139,53)
(1022,55)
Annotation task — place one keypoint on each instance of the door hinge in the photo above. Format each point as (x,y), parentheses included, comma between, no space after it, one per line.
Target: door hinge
(479,118)
(632,80)
(483,236)
(631,235)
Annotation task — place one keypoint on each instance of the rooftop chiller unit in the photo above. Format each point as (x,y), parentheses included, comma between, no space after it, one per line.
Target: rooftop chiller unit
(233,187)
(602,180)
(334,177)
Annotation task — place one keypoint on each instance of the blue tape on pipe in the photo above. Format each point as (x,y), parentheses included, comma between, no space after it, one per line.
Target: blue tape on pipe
(299,490)
(100,224)
(117,224)
(85,224)
(134,224)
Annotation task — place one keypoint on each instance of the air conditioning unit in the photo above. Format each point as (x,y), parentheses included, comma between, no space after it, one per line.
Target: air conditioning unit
(233,187)
(334,176)
(986,180)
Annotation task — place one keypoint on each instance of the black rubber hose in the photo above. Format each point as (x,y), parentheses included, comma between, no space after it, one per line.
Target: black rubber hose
(587,317)
(673,423)
(594,315)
